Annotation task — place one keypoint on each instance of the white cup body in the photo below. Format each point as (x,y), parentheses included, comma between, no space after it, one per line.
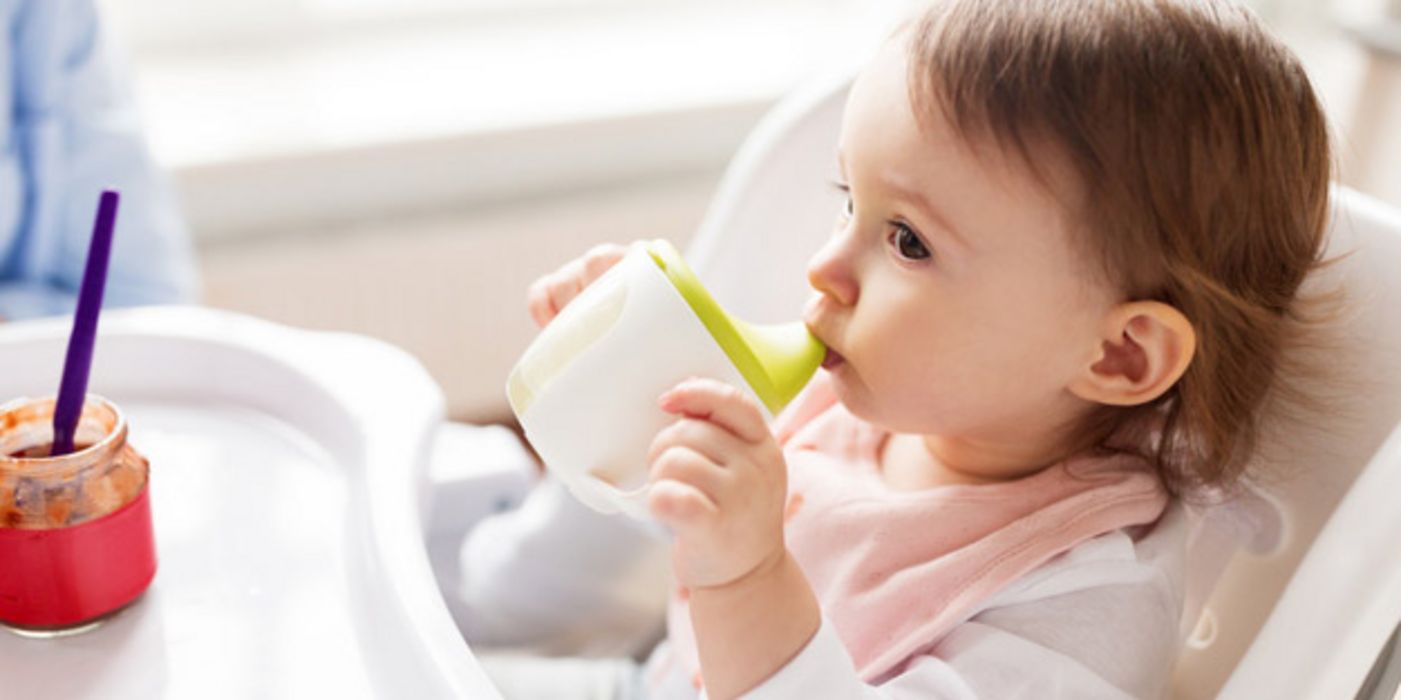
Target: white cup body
(586,390)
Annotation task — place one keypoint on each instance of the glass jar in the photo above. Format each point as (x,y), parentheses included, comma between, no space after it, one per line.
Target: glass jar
(76,542)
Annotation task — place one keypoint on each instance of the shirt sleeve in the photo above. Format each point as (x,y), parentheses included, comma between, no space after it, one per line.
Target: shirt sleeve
(1092,624)
(555,577)
(77,133)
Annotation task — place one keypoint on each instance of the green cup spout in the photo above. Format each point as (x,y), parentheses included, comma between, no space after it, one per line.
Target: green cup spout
(776,360)
(788,354)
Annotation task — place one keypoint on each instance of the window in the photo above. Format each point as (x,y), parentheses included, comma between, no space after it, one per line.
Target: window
(175,25)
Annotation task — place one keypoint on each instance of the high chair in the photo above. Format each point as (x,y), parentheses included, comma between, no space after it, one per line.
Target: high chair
(1294,586)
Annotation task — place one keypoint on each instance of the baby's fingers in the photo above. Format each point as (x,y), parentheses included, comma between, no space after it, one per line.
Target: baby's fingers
(600,258)
(582,271)
(564,290)
(681,506)
(550,294)
(542,310)
(717,444)
(689,466)
(719,403)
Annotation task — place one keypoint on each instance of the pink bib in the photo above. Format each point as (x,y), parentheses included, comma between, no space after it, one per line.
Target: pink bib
(896,570)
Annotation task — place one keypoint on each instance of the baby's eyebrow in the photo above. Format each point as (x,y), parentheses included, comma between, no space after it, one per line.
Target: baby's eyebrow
(914,196)
(927,208)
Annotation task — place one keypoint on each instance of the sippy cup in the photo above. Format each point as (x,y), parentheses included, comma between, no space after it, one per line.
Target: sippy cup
(586,390)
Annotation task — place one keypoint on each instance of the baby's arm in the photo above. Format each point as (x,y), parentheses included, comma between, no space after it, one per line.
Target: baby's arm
(719,481)
(556,577)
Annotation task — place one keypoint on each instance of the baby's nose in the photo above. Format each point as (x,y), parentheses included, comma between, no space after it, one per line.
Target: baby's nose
(830,272)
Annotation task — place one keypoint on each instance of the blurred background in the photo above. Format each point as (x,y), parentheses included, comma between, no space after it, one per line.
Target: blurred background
(404,168)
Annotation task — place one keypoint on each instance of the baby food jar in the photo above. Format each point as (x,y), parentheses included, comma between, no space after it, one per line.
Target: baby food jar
(76,542)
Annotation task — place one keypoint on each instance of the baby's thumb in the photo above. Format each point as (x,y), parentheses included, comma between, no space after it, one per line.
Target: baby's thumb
(542,309)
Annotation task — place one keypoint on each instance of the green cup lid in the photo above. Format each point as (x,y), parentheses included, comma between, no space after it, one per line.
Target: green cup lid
(776,360)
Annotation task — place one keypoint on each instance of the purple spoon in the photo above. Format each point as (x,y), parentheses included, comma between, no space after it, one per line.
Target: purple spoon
(73,388)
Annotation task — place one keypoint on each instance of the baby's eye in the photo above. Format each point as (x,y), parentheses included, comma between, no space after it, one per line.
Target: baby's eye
(849,208)
(908,244)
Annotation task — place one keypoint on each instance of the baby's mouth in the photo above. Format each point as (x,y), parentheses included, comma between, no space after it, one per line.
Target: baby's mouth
(832,360)
(811,317)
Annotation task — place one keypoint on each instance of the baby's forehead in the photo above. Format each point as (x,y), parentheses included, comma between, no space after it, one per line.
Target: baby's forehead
(885,129)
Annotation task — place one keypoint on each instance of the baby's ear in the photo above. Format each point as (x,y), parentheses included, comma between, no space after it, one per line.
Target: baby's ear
(1145,346)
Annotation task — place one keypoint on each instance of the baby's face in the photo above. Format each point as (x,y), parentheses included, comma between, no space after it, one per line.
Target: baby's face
(951,288)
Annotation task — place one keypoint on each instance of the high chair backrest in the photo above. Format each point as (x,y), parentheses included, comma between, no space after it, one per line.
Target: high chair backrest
(775,207)
(1328,588)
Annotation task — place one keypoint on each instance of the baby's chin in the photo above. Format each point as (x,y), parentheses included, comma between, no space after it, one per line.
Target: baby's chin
(859,401)
(856,398)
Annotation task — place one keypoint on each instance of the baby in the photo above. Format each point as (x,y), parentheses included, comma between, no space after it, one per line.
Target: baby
(1055,302)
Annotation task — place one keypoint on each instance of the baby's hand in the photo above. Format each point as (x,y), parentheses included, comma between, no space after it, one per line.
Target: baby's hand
(550,293)
(719,482)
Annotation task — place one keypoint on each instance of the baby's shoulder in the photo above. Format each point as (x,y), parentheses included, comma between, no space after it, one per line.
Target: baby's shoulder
(1149,558)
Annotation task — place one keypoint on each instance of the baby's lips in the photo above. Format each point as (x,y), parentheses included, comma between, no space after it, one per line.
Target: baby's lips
(832,359)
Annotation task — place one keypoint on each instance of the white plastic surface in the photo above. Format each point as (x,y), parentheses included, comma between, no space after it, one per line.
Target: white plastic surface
(1343,602)
(1341,554)
(287,470)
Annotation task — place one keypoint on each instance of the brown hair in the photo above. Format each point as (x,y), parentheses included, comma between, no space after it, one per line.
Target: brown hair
(1202,162)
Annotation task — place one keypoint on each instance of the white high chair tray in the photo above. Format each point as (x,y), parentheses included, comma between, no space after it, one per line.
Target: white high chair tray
(287,470)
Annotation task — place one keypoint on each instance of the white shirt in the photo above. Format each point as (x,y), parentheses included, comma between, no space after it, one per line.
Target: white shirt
(1099,621)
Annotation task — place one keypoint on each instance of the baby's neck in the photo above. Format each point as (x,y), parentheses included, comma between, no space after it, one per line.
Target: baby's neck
(915,462)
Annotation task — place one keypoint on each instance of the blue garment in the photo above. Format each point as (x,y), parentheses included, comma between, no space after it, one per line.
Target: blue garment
(70,131)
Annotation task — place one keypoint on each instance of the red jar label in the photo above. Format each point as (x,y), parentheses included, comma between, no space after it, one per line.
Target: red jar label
(64,576)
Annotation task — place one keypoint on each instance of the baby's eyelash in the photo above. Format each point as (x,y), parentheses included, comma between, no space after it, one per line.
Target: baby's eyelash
(845,191)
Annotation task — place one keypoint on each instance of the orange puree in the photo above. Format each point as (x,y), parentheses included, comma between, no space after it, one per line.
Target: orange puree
(34,503)
(41,492)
